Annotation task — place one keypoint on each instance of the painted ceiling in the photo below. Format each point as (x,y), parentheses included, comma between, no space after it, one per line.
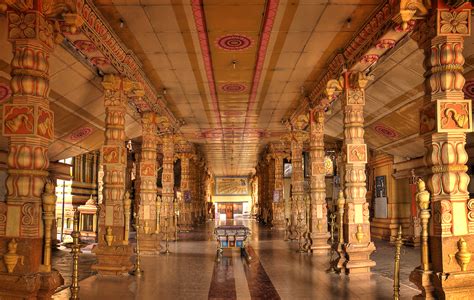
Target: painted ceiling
(231,71)
(234,69)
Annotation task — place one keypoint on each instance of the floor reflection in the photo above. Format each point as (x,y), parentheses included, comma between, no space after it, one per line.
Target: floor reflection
(276,271)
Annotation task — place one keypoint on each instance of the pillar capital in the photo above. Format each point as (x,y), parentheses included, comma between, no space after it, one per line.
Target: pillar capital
(116,91)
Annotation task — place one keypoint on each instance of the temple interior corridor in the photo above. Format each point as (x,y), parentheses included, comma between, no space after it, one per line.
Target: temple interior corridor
(236,149)
(277,271)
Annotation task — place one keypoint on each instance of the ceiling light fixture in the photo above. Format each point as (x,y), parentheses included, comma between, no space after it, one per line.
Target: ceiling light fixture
(122,23)
(348,22)
(234,64)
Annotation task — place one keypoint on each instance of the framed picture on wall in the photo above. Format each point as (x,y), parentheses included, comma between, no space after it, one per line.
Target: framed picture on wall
(287,170)
(381,186)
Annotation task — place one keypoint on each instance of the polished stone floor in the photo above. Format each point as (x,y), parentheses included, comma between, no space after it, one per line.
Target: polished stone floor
(276,271)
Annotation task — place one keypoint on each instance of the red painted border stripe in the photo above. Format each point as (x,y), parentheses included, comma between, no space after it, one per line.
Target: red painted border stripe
(200,21)
(270,15)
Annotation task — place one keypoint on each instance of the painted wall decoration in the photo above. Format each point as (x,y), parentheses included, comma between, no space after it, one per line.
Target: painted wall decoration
(233,186)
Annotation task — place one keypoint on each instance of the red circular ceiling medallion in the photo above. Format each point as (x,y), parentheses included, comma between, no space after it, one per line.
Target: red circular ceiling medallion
(5,92)
(85,45)
(468,88)
(233,88)
(234,42)
(80,134)
(386,131)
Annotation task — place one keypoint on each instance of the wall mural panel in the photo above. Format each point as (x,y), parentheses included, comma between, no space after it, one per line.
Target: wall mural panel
(232,186)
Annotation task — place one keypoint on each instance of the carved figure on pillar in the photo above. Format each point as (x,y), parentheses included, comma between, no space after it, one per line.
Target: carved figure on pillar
(318,224)
(358,245)
(113,251)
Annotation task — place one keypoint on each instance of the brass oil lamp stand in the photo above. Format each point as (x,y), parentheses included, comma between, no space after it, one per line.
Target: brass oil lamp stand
(137,271)
(396,271)
(332,224)
(167,250)
(75,250)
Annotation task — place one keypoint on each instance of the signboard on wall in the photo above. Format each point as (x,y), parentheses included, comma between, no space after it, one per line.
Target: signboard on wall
(232,186)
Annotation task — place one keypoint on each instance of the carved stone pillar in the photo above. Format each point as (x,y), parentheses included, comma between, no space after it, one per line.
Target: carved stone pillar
(299,226)
(146,185)
(318,224)
(444,120)
(278,203)
(113,250)
(188,205)
(167,206)
(270,188)
(358,245)
(28,123)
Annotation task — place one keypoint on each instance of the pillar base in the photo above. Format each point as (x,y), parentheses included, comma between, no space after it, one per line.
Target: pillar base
(341,261)
(320,244)
(454,285)
(423,280)
(113,260)
(358,258)
(29,286)
(278,225)
(149,244)
(185,227)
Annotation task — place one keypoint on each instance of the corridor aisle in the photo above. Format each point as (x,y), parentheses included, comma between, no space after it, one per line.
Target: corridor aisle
(191,271)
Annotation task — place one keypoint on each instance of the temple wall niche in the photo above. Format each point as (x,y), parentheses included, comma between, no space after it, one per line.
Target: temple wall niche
(390,200)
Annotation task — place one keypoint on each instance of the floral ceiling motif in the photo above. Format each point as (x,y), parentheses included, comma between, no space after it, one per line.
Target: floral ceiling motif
(386,131)
(233,88)
(80,134)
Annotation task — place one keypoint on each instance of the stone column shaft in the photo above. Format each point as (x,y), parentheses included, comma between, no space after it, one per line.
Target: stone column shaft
(358,245)
(318,224)
(278,203)
(167,206)
(28,123)
(146,183)
(188,211)
(299,226)
(113,251)
(444,120)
